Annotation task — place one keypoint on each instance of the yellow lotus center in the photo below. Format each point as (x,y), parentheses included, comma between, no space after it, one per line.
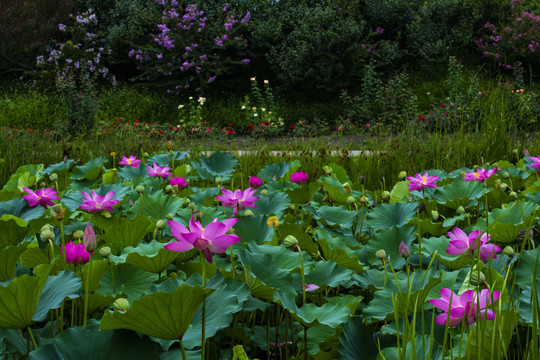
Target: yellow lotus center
(476,175)
(129,161)
(424,179)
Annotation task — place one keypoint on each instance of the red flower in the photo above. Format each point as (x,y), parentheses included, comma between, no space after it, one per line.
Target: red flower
(422,117)
(291,127)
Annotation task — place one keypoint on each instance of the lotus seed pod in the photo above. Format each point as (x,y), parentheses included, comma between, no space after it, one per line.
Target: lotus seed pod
(191,205)
(381,254)
(273,222)
(402,175)
(290,242)
(168,188)
(327,170)
(434,215)
(498,183)
(57,211)
(78,234)
(169,216)
(175,189)
(364,200)
(161,224)
(139,189)
(347,188)
(248,212)
(264,192)
(171,153)
(121,304)
(46,227)
(219,180)
(145,154)
(460,210)
(385,195)
(477,278)
(350,200)
(403,250)
(508,250)
(505,175)
(46,235)
(53,177)
(105,252)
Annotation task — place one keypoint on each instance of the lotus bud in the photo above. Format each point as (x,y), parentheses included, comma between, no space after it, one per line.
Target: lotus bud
(460,210)
(350,200)
(89,238)
(145,154)
(347,188)
(168,189)
(385,194)
(130,203)
(498,183)
(273,222)
(78,234)
(106,214)
(513,194)
(161,224)
(402,175)
(57,211)
(327,170)
(47,227)
(508,250)
(169,216)
(403,250)
(505,175)
(121,304)
(42,184)
(46,235)
(139,189)
(219,180)
(364,200)
(53,177)
(515,152)
(105,252)
(380,254)
(191,205)
(197,214)
(174,189)
(171,153)
(434,215)
(248,212)
(290,242)
(264,192)
(292,207)
(477,278)
(504,186)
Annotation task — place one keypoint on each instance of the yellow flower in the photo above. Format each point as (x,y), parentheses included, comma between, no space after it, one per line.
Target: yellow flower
(113,154)
(273,222)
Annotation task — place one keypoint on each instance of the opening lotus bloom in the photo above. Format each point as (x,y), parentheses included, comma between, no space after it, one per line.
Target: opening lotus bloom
(98,202)
(479,175)
(311,287)
(421,181)
(161,172)
(255,181)
(131,161)
(244,199)
(76,254)
(299,177)
(44,197)
(535,162)
(462,243)
(458,309)
(212,239)
(178,181)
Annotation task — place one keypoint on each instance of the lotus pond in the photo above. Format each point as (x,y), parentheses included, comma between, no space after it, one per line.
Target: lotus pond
(172,258)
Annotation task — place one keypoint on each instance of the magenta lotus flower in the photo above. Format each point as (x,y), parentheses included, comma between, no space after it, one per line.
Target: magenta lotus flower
(161,172)
(311,287)
(462,243)
(479,175)
(76,254)
(244,199)
(179,181)
(229,198)
(536,162)
(212,239)
(421,181)
(299,177)
(255,181)
(465,307)
(131,161)
(98,202)
(89,238)
(41,196)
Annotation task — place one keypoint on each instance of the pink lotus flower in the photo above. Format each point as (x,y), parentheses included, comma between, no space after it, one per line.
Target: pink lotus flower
(299,177)
(461,243)
(179,181)
(158,171)
(89,238)
(421,181)
(131,161)
(255,181)
(479,175)
(41,196)
(465,307)
(98,202)
(536,162)
(76,254)
(212,239)
(311,287)
(244,199)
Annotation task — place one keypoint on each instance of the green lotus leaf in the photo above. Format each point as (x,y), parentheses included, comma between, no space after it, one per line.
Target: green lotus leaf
(221,305)
(399,192)
(273,204)
(96,301)
(34,256)
(389,240)
(332,313)
(505,224)
(19,300)
(389,215)
(89,170)
(208,215)
(282,257)
(427,226)
(218,164)
(527,300)
(64,285)
(460,193)
(152,257)
(440,245)
(19,207)
(305,241)
(88,343)
(262,267)
(342,256)
(130,173)
(26,172)
(9,257)
(420,349)
(204,197)
(274,171)
(156,206)
(99,268)
(61,166)
(256,287)
(328,273)
(527,269)
(304,193)
(182,170)
(253,229)
(180,155)
(162,315)
(176,354)
(334,189)
(334,216)
(357,342)
(12,233)
(323,341)
(340,173)
(121,232)
(160,159)
(127,279)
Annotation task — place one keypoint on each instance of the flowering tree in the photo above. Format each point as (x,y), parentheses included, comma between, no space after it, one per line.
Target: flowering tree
(185,51)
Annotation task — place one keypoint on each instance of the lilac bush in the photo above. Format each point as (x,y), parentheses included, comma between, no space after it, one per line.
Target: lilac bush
(185,51)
